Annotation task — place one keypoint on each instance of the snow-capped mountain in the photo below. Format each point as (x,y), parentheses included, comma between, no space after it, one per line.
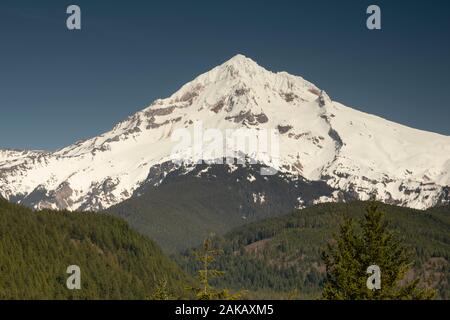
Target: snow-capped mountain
(354,153)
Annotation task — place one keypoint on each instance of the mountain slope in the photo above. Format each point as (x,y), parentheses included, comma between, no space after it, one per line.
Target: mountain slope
(116,263)
(319,140)
(275,257)
(189,204)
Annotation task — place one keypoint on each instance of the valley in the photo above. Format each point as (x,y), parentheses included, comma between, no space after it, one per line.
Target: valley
(274,258)
(133,204)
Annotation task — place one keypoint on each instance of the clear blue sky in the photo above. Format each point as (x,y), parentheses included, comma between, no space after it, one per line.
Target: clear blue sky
(58,86)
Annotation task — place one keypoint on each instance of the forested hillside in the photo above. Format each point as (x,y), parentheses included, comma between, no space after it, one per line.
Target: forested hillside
(116,262)
(274,258)
(281,257)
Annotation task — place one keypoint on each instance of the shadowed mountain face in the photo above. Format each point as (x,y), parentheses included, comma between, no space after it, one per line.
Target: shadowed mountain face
(189,204)
(321,142)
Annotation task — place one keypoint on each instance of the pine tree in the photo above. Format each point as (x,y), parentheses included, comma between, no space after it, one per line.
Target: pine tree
(206,256)
(359,246)
(162,291)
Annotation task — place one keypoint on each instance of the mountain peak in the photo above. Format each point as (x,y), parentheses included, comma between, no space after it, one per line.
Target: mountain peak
(240,65)
(242,74)
(240,60)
